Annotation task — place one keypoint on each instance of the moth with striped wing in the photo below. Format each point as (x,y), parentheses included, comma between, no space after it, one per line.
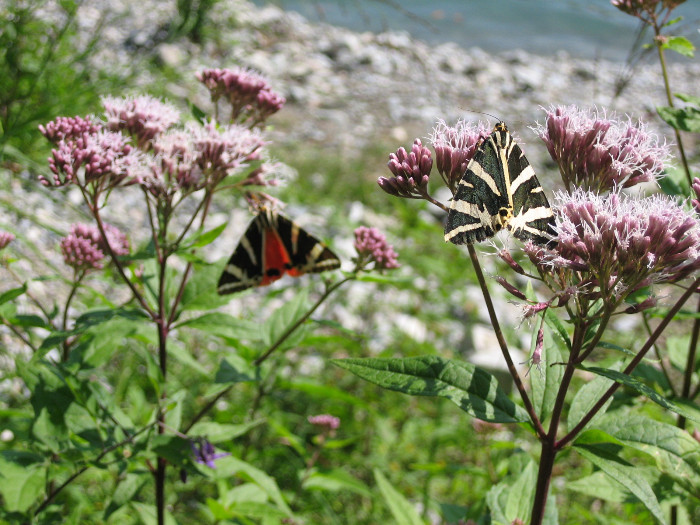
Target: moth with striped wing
(499,190)
(272,246)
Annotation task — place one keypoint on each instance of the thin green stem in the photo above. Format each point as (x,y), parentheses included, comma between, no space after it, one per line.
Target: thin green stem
(537,425)
(669,98)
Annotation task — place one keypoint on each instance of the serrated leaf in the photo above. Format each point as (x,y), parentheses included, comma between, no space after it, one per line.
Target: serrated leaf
(472,389)
(680,45)
(643,389)
(623,473)
(650,436)
(587,396)
(336,480)
(404,513)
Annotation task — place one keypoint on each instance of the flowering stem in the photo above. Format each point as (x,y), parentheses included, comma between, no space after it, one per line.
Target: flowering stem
(537,425)
(669,98)
(632,365)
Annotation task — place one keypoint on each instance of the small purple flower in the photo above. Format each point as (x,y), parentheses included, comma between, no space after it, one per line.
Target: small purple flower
(411,172)
(325,421)
(143,117)
(205,453)
(84,248)
(454,148)
(69,128)
(371,246)
(5,239)
(599,153)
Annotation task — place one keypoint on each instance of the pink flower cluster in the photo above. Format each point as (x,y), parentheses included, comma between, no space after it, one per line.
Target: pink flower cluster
(454,147)
(90,157)
(84,248)
(69,128)
(639,8)
(624,243)
(248,92)
(411,172)
(326,421)
(143,117)
(371,245)
(599,153)
(198,156)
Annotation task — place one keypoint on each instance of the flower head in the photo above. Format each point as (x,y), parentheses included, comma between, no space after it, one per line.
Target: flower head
(325,421)
(599,153)
(143,117)
(104,155)
(411,172)
(84,248)
(621,244)
(247,91)
(205,453)
(371,245)
(454,148)
(696,189)
(5,239)
(69,128)
(199,155)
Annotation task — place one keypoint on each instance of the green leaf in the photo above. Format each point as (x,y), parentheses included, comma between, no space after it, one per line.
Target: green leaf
(521,495)
(557,327)
(147,514)
(643,389)
(234,369)
(125,492)
(175,449)
(336,480)
(182,354)
(14,293)
(229,465)
(624,473)
(599,485)
(221,432)
(496,499)
(650,436)
(284,318)
(684,119)
(690,99)
(199,239)
(404,513)
(680,45)
(21,480)
(587,396)
(546,378)
(200,291)
(472,389)
(225,325)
